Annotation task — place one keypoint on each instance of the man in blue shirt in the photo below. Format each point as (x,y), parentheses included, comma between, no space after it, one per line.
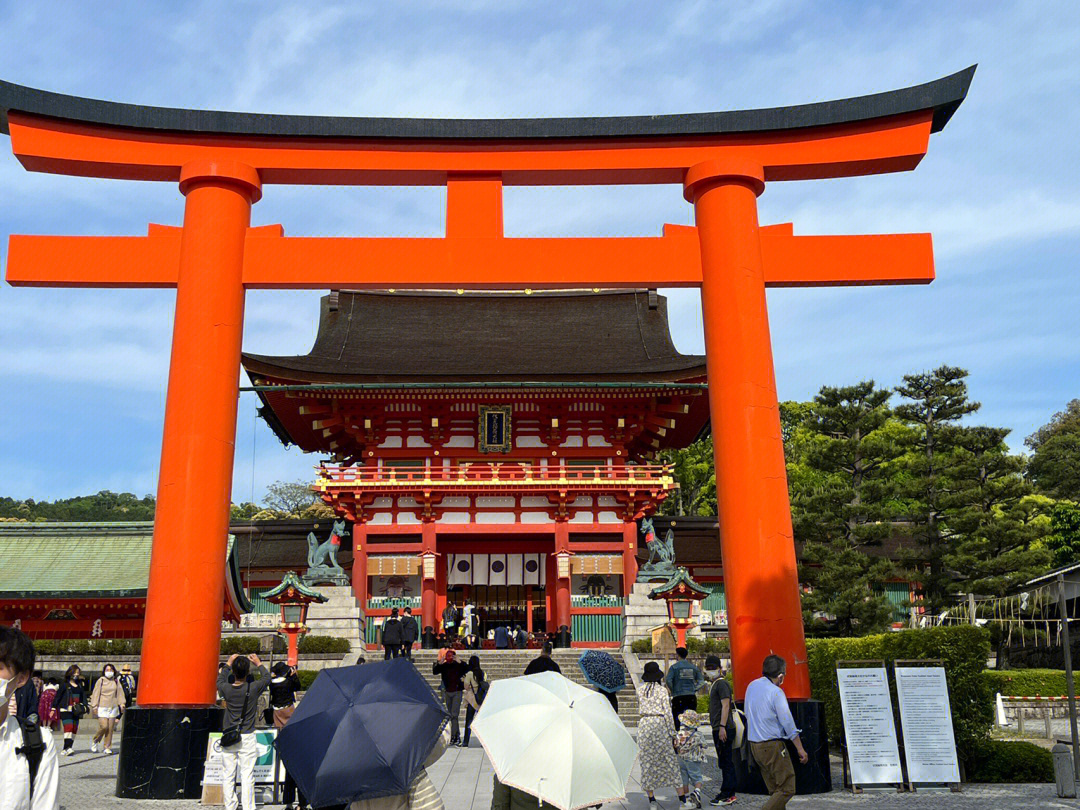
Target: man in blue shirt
(768,724)
(684,680)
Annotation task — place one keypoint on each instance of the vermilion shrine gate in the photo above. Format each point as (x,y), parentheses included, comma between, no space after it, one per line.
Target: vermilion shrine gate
(223,160)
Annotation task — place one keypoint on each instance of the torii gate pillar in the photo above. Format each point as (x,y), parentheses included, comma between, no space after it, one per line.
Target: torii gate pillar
(191,524)
(765,615)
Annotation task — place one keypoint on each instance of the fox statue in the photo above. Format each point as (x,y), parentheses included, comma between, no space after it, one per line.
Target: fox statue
(318,553)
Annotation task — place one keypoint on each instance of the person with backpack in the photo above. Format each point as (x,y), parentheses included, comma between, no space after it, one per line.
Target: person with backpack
(29,766)
(476,689)
(70,701)
(684,680)
(722,719)
(238,748)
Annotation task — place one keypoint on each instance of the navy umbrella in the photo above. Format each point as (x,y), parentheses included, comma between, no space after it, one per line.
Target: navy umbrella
(361,732)
(602,670)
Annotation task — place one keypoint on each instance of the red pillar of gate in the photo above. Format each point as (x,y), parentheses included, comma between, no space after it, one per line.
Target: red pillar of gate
(629,555)
(562,584)
(428,595)
(757,545)
(359,563)
(187,565)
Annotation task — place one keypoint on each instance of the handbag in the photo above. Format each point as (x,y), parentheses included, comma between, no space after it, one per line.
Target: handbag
(231,735)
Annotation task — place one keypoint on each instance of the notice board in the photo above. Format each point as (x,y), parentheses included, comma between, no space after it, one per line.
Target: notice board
(873,755)
(926,720)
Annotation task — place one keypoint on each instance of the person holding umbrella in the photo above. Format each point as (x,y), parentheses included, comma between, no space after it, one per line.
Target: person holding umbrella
(364,735)
(605,673)
(553,744)
(656,735)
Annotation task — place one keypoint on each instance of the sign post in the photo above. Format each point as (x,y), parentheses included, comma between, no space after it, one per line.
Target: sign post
(869,731)
(926,720)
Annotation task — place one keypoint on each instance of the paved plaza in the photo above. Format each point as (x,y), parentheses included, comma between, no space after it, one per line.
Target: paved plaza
(464,776)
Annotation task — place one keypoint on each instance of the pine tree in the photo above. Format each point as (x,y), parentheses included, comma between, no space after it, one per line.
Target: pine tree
(936,402)
(842,512)
(995,534)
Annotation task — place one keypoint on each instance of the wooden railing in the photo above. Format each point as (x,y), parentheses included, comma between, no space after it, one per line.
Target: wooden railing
(504,472)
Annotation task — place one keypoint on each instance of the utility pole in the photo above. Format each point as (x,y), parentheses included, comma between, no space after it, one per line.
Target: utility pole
(1064,618)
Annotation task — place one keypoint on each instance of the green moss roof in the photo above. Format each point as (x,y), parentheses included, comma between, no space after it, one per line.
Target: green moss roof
(88,560)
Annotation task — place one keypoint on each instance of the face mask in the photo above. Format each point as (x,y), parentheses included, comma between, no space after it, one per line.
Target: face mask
(4,684)
(110,675)
(712,674)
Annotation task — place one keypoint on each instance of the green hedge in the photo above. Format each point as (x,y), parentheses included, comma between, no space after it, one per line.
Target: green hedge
(963,650)
(240,645)
(306,677)
(82,646)
(1010,761)
(323,644)
(1027,682)
(707,646)
(695,645)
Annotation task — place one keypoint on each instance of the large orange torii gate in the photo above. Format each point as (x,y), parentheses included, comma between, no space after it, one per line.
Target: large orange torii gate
(223,160)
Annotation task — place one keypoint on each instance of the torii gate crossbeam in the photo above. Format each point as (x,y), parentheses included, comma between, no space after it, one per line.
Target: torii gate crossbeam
(223,161)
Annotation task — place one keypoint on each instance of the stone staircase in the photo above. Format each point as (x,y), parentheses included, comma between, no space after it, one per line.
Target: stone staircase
(499,664)
(340,617)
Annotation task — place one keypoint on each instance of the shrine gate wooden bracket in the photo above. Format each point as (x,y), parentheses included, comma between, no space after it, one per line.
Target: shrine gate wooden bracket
(222,162)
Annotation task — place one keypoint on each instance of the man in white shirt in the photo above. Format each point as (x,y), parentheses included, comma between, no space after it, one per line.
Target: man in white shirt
(18,790)
(768,725)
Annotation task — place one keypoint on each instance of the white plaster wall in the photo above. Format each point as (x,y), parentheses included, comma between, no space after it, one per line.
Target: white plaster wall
(495,517)
(536,517)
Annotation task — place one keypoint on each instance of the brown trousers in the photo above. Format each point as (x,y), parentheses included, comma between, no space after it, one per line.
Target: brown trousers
(775,763)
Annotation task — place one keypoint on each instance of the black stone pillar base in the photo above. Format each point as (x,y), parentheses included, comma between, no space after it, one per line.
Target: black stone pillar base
(428,639)
(562,638)
(163,751)
(814,776)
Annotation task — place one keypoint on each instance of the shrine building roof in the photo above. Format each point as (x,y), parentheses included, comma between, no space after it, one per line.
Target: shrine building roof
(572,336)
(89,561)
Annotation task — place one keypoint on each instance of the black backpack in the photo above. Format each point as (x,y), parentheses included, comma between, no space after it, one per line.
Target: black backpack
(33,748)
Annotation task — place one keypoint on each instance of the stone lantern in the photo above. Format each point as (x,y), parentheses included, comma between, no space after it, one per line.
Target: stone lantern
(294,597)
(680,592)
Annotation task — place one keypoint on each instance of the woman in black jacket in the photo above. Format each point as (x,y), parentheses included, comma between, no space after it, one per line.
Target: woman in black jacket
(391,635)
(284,685)
(70,701)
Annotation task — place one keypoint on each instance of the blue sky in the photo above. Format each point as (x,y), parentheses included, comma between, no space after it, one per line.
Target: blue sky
(82,372)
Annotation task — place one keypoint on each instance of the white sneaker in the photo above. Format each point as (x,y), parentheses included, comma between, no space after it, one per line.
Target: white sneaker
(93,748)
(109,751)
(653,805)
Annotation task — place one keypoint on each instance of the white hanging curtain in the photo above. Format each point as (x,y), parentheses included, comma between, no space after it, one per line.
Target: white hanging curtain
(496,569)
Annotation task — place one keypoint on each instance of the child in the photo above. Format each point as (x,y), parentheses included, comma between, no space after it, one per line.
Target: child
(691,750)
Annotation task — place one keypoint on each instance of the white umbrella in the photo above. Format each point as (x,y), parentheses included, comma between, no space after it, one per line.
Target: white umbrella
(556,740)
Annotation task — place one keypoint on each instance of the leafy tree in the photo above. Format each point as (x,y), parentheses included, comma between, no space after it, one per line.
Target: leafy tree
(936,401)
(993,520)
(1055,461)
(694,469)
(843,509)
(289,498)
(1063,540)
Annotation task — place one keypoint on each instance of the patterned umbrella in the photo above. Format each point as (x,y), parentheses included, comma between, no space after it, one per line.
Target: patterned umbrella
(602,670)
